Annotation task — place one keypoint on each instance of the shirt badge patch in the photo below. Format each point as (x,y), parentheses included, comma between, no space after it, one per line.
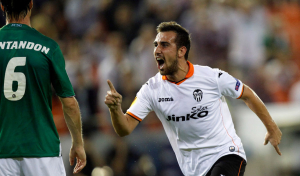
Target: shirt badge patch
(237,85)
(198,94)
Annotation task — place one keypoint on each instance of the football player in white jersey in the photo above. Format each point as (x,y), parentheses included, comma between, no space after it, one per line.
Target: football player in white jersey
(189,101)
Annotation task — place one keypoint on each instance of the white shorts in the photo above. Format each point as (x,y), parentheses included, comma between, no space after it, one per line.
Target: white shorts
(45,166)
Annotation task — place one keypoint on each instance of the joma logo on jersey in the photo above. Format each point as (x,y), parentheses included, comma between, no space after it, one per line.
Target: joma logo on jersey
(165,99)
(195,114)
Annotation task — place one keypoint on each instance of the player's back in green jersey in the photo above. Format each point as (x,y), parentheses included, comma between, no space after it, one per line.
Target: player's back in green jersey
(29,63)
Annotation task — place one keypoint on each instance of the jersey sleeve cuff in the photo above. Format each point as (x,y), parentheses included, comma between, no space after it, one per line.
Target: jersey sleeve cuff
(134,116)
(241,93)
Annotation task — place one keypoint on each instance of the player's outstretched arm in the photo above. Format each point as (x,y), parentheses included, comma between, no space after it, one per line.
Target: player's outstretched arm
(257,106)
(73,120)
(122,123)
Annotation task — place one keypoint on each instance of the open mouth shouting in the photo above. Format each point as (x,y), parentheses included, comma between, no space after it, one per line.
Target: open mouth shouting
(160,62)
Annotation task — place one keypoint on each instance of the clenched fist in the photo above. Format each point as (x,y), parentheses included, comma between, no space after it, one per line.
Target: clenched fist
(113,99)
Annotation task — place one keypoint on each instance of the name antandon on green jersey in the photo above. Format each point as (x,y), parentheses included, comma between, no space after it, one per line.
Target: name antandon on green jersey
(24,45)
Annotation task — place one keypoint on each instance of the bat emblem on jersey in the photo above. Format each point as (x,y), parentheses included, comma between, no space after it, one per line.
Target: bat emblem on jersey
(198,94)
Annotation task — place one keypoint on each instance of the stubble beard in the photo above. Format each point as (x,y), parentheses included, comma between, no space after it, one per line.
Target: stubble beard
(172,69)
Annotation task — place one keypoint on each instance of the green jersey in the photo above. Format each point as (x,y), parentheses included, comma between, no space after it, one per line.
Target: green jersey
(29,63)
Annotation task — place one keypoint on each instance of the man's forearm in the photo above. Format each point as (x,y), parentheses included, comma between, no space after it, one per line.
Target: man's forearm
(258,107)
(120,122)
(73,121)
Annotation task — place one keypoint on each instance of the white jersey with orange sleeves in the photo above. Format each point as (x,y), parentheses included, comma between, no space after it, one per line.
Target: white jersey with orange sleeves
(194,114)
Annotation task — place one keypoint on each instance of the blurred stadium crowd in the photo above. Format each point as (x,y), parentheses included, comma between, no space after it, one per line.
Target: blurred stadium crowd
(255,41)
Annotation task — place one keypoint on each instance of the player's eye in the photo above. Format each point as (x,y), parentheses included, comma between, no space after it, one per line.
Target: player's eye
(165,44)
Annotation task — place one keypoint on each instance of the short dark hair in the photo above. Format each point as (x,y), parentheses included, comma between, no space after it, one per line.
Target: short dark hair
(15,9)
(183,37)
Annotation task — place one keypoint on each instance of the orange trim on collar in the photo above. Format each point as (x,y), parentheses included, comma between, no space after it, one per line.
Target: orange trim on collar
(188,75)
(191,70)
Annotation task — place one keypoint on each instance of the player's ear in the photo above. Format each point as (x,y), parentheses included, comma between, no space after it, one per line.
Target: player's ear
(2,7)
(181,52)
(31,4)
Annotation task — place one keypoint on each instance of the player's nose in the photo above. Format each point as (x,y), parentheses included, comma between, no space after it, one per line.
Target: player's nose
(157,50)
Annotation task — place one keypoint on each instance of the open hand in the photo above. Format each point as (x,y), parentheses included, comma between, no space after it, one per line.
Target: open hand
(80,155)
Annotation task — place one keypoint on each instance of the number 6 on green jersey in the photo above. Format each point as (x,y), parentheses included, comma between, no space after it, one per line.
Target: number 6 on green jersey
(11,76)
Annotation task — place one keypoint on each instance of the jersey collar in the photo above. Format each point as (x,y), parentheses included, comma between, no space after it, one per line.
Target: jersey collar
(188,75)
(16,25)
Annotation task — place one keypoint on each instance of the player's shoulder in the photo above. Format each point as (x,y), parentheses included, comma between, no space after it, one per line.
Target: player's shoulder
(206,71)
(154,82)
(45,40)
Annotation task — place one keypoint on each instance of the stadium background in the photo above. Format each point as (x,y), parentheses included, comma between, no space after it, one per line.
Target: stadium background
(255,41)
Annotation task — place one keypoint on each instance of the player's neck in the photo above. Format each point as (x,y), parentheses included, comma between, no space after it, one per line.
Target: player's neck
(25,20)
(183,69)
